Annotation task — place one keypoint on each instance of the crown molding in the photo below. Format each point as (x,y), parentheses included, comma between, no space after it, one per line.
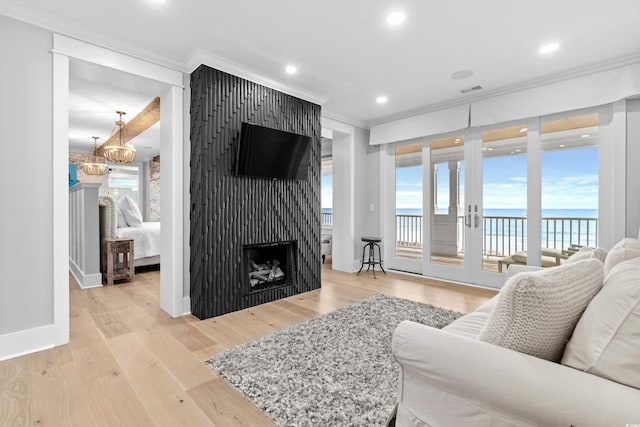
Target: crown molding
(505,90)
(202,57)
(17,11)
(344,119)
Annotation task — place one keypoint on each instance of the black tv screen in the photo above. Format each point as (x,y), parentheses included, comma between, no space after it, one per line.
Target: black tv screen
(269,153)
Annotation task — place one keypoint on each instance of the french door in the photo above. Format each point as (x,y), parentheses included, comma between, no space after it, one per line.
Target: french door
(468,204)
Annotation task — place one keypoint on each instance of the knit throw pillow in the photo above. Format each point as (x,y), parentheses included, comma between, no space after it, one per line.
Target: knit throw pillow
(537,311)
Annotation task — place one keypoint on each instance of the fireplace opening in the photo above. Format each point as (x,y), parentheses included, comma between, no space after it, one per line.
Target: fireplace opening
(269,265)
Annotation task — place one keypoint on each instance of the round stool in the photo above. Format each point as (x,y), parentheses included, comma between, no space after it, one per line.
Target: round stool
(371,244)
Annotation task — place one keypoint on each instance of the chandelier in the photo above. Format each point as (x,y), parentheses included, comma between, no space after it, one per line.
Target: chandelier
(119,153)
(96,165)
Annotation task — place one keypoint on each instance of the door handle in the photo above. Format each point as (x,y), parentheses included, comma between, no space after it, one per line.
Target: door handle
(467,218)
(476,217)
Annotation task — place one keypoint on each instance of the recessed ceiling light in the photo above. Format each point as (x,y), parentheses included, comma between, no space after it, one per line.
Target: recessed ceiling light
(517,151)
(395,18)
(524,130)
(586,135)
(382,99)
(462,74)
(490,149)
(562,145)
(548,48)
(291,69)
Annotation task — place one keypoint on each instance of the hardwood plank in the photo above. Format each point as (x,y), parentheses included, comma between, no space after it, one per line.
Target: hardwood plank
(129,363)
(165,401)
(16,393)
(188,334)
(184,366)
(227,407)
(94,377)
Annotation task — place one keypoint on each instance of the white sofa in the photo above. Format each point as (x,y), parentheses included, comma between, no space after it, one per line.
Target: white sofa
(451,377)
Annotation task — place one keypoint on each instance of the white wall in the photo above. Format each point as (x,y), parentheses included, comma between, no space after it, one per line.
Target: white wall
(26,252)
(367,190)
(633,171)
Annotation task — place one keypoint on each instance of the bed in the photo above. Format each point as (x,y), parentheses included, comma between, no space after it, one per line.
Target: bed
(146,237)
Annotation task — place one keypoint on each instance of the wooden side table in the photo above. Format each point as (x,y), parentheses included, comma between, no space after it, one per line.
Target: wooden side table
(117,259)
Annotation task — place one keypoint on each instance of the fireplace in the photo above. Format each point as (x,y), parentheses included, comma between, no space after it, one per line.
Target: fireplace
(269,266)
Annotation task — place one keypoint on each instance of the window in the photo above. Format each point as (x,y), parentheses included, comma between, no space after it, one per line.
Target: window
(326,203)
(124,181)
(570,182)
(409,200)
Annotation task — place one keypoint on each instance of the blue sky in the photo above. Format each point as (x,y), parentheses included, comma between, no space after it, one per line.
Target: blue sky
(569,181)
(326,193)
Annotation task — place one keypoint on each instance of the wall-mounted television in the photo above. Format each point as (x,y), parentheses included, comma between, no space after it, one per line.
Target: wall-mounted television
(270,153)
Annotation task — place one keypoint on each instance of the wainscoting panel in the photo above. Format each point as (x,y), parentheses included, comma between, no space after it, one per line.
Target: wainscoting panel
(227,211)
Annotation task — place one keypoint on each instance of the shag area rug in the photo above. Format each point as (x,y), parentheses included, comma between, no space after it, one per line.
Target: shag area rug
(333,370)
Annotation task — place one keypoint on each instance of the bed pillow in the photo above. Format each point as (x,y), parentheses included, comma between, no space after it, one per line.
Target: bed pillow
(606,341)
(131,212)
(121,221)
(626,249)
(536,312)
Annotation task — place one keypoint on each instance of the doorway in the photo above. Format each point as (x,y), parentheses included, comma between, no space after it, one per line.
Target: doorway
(173,298)
(525,192)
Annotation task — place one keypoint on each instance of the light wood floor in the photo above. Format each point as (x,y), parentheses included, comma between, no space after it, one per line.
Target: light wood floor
(130,364)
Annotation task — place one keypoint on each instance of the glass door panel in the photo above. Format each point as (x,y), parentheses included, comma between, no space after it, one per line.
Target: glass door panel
(570,185)
(408,209)
(326,203)
(504,196)
(446,197)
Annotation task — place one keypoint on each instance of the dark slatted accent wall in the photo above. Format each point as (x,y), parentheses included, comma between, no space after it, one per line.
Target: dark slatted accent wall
(229,211)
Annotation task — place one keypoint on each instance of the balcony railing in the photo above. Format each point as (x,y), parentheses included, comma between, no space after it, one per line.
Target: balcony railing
(327,218)
(504,235)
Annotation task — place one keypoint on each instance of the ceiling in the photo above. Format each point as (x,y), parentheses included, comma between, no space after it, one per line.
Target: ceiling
(95,94)
(345,51)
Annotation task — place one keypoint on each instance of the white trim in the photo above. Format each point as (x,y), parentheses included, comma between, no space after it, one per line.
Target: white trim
(60,205)
(201,56)
(343,156)
(436,122)
(58,333)
(612,152)
(336,125)
(344,119)
(186,306)
(16,344)
(111,59)
(171,202)
(86,281)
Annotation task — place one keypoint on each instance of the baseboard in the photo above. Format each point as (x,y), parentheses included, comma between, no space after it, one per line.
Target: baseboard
(16,344)
(186,306)
(85,281)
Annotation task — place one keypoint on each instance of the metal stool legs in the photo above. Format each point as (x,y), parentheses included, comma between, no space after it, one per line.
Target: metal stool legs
(372,262)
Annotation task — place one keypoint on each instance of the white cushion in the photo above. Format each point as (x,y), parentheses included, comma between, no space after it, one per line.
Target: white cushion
(121,221)
(537,311)
(606,341)
(624,250)
(131,212)
(586,253)
(470,325)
